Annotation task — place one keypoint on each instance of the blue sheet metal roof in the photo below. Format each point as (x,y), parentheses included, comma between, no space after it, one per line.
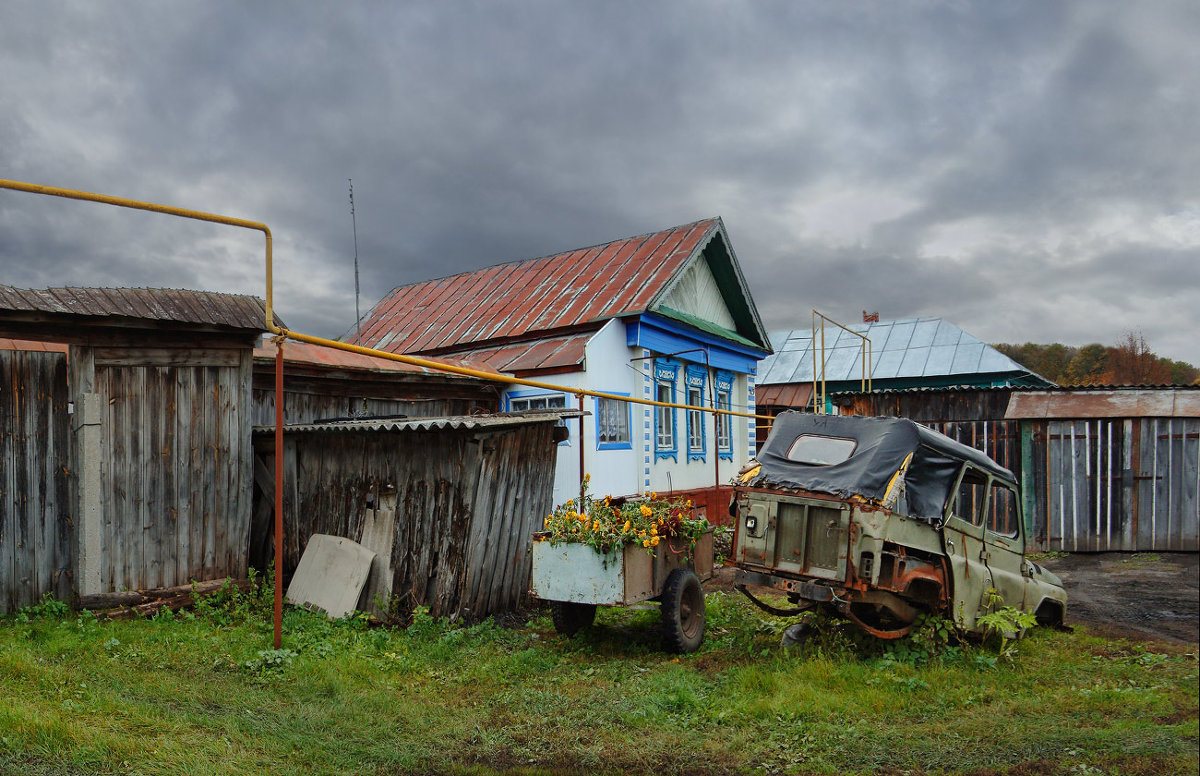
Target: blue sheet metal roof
(909,348)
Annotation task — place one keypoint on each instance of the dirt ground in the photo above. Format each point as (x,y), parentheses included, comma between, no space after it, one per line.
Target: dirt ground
(1142,596)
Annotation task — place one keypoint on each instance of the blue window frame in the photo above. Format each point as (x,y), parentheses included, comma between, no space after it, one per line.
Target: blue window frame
(666,441)
(612,423)
(724,423)
(695,377)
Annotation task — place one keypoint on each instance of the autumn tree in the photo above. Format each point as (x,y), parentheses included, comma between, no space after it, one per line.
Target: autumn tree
(1131,362)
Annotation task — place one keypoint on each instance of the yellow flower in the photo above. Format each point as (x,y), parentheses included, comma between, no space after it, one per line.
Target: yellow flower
(653,495)
(570,502)
(596,525)
(646,511)
(654,542)
(641,533)
(627,527)
(689,502)
(653,531)
(583,518)
(646,543)
(587,478)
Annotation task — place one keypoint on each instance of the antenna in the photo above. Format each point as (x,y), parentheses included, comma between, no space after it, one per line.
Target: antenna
(354,226)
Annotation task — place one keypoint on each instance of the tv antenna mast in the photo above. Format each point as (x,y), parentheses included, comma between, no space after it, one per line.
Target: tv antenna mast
(354,226)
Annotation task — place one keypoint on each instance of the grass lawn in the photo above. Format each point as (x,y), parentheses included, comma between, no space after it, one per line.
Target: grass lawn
(203,693)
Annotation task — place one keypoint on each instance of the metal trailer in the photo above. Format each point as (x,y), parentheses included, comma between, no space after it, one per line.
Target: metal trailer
(575,579)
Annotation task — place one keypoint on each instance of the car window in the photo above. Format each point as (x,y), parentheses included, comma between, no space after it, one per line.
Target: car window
(968,501)
(820,450)
(1002,511)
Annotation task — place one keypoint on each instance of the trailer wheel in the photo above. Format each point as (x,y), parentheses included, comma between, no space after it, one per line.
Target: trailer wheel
(570,617)
(682,611)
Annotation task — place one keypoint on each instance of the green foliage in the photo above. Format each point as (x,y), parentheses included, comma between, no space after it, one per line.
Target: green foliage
(47,608)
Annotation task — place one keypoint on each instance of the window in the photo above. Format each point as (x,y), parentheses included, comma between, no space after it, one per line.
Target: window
(1002,511)
(696,376)
(818,450)
(968,506)
(724,423)
(612,424)
(548,402)
(664,417)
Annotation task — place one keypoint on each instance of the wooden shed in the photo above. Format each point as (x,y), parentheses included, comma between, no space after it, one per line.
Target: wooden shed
(128,454)
(449,503)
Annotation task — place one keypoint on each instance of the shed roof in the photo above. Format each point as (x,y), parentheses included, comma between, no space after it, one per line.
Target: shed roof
(232,311)
(556,296)
(452,422)
(904,348)
(316,355)
(1114,402)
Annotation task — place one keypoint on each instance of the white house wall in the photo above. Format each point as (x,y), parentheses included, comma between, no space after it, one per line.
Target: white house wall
(612,366)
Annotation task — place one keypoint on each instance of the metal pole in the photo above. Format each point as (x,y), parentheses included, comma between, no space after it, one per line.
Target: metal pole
(278,491)
(582,468)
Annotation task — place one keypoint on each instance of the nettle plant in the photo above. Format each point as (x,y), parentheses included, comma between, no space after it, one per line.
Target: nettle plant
(612,523)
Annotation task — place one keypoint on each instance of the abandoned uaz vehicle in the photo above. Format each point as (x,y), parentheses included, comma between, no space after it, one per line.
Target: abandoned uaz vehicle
(881,519)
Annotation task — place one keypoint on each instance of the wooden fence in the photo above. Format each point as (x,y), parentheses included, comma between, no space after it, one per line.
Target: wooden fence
(36,541)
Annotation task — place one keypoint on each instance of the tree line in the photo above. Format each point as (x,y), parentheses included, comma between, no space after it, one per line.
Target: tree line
(1129,362)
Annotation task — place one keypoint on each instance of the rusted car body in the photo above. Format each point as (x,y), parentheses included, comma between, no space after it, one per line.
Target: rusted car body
(881,519)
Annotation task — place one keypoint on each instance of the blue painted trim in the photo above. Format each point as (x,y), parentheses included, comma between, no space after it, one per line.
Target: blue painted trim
(696,376)
(725,391)
(666,369)
(628,424)
(663,335)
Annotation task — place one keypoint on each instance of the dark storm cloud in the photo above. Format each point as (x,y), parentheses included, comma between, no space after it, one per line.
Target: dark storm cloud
(1011,166)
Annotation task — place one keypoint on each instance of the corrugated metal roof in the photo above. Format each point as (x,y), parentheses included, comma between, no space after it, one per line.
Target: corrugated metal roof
(235,311)
(905,348)
(549,353)
(522,298)
(1111,403)
(316,355)
(783,395)
(455,422)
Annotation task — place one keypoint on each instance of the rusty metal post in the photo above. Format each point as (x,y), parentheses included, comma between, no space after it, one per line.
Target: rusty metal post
(279,491)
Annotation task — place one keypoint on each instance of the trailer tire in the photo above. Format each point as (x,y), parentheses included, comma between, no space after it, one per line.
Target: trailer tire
(570,617)
(682,611)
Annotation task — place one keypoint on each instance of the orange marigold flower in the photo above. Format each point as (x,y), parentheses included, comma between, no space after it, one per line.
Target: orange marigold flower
(628,526)
(646,511)
(653,494)
(645,542)
(653,531)
(654,542)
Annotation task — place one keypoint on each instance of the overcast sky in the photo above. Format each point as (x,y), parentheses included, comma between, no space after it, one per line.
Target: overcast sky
(1027,170)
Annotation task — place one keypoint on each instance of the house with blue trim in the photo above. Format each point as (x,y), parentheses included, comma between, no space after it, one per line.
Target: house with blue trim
(665,316)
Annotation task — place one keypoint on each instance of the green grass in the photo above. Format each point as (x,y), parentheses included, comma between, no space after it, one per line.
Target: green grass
(205,694)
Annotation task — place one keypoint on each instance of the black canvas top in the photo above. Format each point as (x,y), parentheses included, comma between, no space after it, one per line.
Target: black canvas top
(881,445)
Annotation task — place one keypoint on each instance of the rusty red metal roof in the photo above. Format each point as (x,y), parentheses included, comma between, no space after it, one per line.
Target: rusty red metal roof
(796,395)
(317,355)
(234,311)
(575,290)
(1165,402)
(34,345)
(563,353)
